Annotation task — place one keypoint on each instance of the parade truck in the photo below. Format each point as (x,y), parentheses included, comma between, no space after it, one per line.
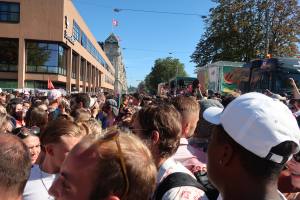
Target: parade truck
(222,76)
(273,74)
(258,75)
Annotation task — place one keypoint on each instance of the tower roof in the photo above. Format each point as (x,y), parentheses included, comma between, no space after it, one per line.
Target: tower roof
(112,38)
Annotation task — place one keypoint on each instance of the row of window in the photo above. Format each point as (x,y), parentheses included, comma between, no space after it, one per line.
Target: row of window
(9,55)
(43,57)
(9,12)
(81,37)
(85,70)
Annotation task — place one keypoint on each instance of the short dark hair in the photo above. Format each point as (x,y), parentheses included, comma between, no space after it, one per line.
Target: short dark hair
(166,120)
(83,98)
(253,164)
(138,96)
(36,116)
(15,163)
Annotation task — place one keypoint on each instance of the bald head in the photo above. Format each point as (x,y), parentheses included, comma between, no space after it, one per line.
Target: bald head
(15,164)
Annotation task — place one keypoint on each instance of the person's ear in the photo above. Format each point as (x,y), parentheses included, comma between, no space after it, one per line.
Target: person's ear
(111,197)
(185,129)
(155,137)
(81,104)
(226,155)
(49,149)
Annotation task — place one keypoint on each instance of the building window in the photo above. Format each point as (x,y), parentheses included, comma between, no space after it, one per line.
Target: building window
(81,37)
(9,51)
(88,71)
(82,71)
(83,40)
(43,57)
(74,65)
(9,12)
(76,31)
(8,83)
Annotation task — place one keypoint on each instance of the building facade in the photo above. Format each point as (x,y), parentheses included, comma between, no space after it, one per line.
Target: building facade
(48,39)
(113,51)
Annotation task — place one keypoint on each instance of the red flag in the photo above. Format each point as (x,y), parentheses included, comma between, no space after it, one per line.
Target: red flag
(115,22)
(50,85)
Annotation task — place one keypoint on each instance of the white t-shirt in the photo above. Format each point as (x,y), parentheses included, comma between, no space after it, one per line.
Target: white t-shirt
(178,193)
(38,185)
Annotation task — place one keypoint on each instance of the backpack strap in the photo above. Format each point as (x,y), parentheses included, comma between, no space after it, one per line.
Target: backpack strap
(173,180)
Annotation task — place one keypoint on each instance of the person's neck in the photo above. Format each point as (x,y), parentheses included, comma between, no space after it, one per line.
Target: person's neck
(54,105)
(8,195)
(159,162)
(257,190)
(47,166)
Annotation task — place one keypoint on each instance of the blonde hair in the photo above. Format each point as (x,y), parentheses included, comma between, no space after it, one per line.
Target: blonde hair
(93,125)
(140,167)
(59,127)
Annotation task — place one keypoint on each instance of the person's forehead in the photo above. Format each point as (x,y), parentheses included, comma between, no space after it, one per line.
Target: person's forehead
(31,140)
(79,160)
(19,106)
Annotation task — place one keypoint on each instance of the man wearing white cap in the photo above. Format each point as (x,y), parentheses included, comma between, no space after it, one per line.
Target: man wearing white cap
(253,138)
(54,97)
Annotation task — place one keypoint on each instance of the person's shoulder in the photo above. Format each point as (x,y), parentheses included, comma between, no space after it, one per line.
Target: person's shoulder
(34,172)
(184,192)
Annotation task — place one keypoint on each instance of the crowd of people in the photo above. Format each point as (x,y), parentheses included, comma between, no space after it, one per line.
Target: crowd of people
(197,145)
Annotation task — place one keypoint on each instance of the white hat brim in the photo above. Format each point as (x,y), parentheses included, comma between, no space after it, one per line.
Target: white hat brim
(213,115)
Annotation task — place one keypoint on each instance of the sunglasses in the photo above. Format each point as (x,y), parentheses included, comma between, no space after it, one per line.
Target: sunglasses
(296,157)
(25,132)
(114,135)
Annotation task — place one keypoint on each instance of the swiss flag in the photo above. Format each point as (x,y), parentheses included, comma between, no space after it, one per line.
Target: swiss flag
(50,85)
(115,22)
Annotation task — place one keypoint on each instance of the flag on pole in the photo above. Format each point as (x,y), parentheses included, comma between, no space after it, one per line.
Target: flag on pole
(50,85)
(115,22)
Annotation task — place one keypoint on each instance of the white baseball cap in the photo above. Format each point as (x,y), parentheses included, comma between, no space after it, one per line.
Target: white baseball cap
(54,94)
(258,123)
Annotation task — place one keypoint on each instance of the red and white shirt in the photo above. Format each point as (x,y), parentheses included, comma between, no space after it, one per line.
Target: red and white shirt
(178,193)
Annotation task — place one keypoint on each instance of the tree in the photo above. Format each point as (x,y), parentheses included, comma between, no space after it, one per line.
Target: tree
(164,69)
(240,30)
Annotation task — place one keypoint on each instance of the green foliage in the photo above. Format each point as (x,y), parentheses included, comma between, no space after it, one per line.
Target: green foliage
(164,69)
(240,30)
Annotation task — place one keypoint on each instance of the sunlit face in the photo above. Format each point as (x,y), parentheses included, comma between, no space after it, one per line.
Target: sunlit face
(294,168)
(101,101)
(34,146)
(7,127)
(62,149)
(26,106)
(75,171)
(19,108)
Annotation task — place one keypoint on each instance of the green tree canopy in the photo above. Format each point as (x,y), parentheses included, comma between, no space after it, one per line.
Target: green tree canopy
(241,30)
(164,69)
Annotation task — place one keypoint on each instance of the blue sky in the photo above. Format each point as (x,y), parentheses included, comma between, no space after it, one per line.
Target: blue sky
(148,36)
